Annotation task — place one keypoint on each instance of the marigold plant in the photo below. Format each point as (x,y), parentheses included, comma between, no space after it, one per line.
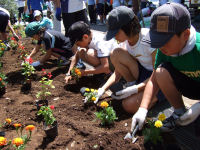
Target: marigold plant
(8,120)
(2,80)
(75,73)
(107,115)
(3,141)
(152,131)
(90,95)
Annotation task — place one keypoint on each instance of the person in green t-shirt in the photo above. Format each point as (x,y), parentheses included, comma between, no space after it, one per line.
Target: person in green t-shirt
(177,65)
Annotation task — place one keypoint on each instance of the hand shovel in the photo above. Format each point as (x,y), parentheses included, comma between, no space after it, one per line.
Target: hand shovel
(132,135)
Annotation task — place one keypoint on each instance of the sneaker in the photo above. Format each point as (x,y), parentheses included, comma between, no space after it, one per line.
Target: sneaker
(169,124)
(80,65)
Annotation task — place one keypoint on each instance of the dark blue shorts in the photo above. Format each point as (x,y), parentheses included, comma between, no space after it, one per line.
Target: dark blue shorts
(100,9)
(145,74)
(4,21)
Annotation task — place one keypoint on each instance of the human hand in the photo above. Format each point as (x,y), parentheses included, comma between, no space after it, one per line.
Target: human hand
(67,79)
(139,118)
(58,14)
(16,36)
(125,92)
(99,94)
(35,64)
(190,115)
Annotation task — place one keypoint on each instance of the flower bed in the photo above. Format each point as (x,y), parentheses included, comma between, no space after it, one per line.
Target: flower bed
(76,125)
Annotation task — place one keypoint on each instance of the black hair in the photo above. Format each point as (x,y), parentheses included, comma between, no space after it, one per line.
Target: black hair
(132,28)
(77,30)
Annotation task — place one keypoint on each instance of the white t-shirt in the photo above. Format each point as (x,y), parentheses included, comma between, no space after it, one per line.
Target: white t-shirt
(141,50)
(103,47)
(75,5)
(4,10)
(20,3)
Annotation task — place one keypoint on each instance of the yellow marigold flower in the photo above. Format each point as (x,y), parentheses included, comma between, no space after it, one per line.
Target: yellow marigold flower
(16,125)
(93,98)
(8,120)
(104,104)
(79,73)
(158,124)
(92,90)
(30,127)
(96,90)
(87,90)
(162,117)
(17,141)
(3,141)
(0,41)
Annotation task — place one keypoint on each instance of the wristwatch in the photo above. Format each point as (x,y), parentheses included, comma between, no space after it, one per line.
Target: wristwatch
(67,74)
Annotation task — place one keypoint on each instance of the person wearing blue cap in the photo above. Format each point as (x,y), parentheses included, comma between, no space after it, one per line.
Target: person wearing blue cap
(177,65)
(55,43)
(133,60)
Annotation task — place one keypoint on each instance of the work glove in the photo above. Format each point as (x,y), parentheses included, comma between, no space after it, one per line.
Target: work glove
(99,94)
(35,64)
(139,118)
(190,115)
(58,14)
(125,92)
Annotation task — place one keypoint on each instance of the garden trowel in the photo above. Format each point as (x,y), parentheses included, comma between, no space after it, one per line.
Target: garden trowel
(132,135)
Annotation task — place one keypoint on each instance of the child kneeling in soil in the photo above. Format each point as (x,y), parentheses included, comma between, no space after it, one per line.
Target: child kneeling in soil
(91,48)
(56,44)
(133,60)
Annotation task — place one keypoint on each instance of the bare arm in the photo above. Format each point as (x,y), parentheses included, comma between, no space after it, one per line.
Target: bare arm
(102,68)
(113,79)
(74,61)
(35,50)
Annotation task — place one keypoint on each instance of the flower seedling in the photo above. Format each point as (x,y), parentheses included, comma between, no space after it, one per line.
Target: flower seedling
(152,133)
(27,69)
(13,43)
(90,95)
(2,80)
(46,84)
(47,113)
(75,73)
(107,115)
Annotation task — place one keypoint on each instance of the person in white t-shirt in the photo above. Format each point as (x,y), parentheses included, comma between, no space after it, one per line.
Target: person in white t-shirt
(5,21)
(133,60)
(91,48)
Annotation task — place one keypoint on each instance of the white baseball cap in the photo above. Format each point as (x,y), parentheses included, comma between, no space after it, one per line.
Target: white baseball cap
(36,13)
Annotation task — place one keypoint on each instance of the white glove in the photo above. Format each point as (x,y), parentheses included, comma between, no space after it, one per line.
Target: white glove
(139,118)
(99,94)
(190,115)
(126,92)
(35,64)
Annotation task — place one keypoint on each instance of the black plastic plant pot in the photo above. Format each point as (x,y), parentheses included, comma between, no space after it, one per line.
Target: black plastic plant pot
(2,133)
(2,91)
(51,131)
(151,146)
(41,103)
(26,87)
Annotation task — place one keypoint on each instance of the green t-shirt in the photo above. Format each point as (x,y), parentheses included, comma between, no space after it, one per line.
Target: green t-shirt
(188,64)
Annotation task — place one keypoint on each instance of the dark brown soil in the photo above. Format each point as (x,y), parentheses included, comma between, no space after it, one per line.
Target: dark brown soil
(77,128)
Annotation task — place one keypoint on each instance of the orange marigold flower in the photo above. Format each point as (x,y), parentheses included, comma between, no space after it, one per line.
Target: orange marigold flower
(79,73)
(3,141)
(0,79)
(30,127)
(77,70)
(17,141)
(17,125)
(8,120)
(104,104)
(2,48)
